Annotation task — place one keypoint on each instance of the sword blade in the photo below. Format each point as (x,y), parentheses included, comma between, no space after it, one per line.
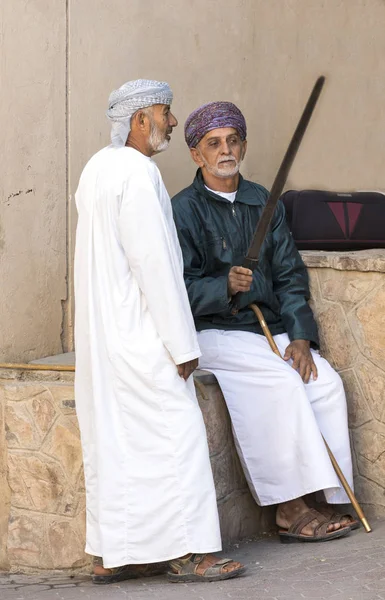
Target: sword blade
(251,260)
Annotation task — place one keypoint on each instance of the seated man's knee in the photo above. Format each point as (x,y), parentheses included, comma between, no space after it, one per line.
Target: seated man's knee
(337,384)
(333,383)
(290,379)
(330,377)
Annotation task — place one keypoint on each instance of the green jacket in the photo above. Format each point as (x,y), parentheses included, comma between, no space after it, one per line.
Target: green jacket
(215,235)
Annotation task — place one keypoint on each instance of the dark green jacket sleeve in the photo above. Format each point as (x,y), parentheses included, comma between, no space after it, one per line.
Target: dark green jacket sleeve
(207,294)
(290,283)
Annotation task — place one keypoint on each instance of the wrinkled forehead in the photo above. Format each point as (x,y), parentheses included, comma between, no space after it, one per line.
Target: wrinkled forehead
(161,107)
(220,133)
(158,111)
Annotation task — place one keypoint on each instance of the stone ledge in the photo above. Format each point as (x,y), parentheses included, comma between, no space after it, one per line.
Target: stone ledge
(68,359)
(360,260)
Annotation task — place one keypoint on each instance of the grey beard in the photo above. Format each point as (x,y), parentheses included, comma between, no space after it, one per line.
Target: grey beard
(217,172)
(156,142)
(220,173)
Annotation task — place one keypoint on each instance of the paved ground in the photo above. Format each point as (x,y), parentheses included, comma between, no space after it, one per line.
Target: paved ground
(348,569)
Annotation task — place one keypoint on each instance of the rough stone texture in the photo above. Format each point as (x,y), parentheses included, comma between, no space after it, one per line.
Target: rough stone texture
(4,488)
(26,539)
(44,521)
(44,473)
(359,260)
(348,298)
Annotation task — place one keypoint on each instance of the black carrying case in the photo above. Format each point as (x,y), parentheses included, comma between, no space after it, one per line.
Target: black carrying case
(320,220)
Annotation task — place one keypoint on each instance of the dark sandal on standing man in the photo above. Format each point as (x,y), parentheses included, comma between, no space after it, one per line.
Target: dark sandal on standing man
(203,567)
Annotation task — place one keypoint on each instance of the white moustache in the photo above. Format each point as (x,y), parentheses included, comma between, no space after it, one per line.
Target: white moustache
(230,159)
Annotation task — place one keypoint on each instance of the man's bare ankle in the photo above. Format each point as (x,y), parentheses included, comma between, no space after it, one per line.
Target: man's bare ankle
(291,510)
(100,570)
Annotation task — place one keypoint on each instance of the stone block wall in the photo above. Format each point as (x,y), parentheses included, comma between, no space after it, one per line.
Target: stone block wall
(348,298)
(42,515)
(42,500)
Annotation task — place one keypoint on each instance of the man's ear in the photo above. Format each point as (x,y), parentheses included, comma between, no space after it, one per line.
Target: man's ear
(196,156)
(139,120)
(244,148)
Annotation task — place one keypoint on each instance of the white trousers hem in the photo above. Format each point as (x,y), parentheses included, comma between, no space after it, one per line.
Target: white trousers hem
(165,558)
(300,494)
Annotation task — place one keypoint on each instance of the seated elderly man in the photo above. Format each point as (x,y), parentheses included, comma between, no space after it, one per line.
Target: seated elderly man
(279,408)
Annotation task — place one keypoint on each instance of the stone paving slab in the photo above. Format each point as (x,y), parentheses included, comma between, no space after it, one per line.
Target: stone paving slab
(352,568)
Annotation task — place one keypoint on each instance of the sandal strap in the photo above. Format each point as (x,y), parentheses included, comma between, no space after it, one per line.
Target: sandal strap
(193,565)
(305,519)
(321,530)
(212,567)
(179,565)
(224,561)
(335,517)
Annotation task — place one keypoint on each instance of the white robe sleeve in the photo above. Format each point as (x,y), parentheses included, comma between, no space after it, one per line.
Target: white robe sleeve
(153,259)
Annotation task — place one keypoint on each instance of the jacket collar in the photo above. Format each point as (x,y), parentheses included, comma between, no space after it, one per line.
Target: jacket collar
(246,193)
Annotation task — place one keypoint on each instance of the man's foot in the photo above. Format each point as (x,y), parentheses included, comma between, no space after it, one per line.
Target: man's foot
(289,512)
(116,574)
(203,567)
(297,522)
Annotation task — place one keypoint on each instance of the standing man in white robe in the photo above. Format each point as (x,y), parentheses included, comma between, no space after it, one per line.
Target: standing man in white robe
(149,486)
(278,408)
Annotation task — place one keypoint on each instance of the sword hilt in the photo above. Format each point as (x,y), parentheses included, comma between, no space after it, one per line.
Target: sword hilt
(248,263)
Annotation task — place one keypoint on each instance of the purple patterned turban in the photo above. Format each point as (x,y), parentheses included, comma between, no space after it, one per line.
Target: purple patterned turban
(213,115)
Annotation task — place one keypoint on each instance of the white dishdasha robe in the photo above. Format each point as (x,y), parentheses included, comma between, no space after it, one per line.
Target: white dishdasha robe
(278,420)
(149,486)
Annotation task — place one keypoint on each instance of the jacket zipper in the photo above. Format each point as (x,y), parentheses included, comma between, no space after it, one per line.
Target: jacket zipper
(234,212)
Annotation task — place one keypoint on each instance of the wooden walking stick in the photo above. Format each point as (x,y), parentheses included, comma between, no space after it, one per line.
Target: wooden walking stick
(257,311)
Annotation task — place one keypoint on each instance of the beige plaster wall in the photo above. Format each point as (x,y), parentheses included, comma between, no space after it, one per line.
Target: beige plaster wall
(262,54)
(32,177)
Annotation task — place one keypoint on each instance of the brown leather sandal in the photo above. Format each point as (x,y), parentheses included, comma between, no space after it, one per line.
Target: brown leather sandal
(320,531)
(327,511)
(202,567)
(125,572)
